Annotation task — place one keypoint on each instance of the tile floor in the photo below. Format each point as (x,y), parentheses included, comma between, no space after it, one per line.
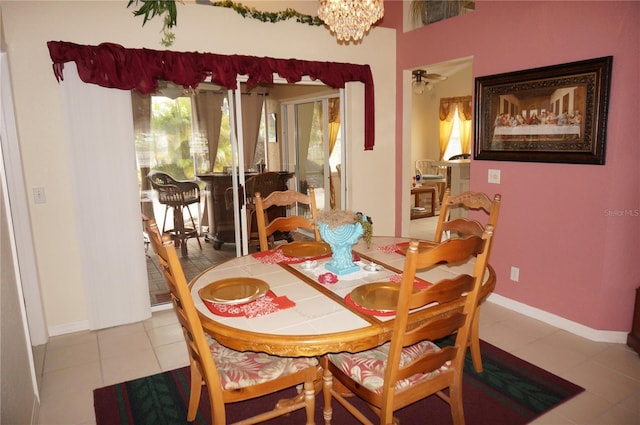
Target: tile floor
(75,364)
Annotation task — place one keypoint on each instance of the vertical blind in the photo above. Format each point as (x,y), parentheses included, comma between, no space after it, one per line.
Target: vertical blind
(104,185)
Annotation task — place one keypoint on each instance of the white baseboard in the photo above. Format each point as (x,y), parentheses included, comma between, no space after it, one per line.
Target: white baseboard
(559,322)
(68,328)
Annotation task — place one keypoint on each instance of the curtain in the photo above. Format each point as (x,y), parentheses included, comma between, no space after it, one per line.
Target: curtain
(111,65)
(251,117)
(304,115)
(334,129)
(448,106)
(104,186)
(465,115)
(208,112)
(141,104)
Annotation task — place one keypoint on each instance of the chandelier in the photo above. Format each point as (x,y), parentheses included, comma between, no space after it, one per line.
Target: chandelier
(350,19)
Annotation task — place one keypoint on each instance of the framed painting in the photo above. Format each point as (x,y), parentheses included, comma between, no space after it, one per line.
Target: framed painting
(552,114)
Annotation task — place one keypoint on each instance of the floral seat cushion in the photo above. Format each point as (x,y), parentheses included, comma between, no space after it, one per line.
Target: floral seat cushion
(241,369)
(367,367)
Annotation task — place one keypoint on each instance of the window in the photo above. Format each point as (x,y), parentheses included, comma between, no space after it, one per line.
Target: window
(454,147)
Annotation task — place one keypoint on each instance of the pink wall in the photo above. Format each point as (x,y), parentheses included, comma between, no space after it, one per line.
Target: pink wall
(578,259)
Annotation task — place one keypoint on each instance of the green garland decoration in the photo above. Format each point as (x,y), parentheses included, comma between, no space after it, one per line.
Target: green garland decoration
(151,8)
(251,12)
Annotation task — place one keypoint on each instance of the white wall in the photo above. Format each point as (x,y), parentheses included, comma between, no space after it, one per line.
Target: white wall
(29,25)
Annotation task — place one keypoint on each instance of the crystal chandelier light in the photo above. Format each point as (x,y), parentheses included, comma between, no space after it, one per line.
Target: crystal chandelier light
(350,19)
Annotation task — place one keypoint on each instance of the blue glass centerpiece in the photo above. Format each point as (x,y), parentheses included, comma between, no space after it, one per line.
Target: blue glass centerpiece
(341,239)
(341,230)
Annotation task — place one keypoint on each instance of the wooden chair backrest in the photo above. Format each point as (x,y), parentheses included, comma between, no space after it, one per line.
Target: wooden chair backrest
(463,288)
(197,345)
(288,198)
(471,201)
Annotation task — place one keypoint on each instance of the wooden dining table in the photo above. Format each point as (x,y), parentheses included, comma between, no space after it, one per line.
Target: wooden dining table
(318,317)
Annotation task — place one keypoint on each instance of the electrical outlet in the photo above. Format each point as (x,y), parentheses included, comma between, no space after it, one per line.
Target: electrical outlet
(494,176)
(515,274)
(39,196)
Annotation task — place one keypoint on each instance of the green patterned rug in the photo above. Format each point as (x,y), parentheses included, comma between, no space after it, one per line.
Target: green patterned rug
(510,391)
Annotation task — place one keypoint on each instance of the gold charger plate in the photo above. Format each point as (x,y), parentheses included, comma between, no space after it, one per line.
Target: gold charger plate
(234,290)
(380,296)
(305,249)
(422,245)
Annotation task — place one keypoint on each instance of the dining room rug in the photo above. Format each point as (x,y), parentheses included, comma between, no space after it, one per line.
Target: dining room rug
(510,391)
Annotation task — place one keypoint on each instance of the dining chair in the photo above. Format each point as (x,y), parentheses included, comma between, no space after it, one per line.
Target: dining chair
(290,199)
(460,227)
(411,367)
(470,201)
(230,375)
(177,195)
(265,184)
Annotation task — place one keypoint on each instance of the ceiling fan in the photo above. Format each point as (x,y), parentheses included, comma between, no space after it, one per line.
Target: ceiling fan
(420,80)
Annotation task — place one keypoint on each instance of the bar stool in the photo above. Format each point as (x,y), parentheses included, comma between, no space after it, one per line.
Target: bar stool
(178,195)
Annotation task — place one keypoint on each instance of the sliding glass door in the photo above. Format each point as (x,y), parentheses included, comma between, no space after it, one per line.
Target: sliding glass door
(316,147)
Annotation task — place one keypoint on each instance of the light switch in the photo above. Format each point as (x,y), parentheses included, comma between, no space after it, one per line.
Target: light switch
(39,196)
(494,176)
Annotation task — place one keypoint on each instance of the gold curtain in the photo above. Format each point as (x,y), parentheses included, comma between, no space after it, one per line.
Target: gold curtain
(448,107)
(208,113)
(251,117)
(334,129)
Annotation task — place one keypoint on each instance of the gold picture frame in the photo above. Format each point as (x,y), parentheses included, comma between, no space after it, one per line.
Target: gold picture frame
(552,114)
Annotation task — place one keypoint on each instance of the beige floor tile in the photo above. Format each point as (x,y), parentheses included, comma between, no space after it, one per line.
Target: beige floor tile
(82,377)
(616,416)
(122,343)
(121,330)
(491,313)
(632,403)
(551,418)
(602,381)
(126,367)
(172,356)
(71,339)
(73,355)
(163,335)
(161,318)
(571,342)
(582,407)
(620,358)
(66,395)
(75,408)
(554,358)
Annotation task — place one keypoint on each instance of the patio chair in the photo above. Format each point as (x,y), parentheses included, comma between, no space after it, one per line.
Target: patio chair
(177,195)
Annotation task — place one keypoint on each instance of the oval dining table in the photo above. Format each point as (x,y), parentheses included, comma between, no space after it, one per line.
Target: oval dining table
(318,317)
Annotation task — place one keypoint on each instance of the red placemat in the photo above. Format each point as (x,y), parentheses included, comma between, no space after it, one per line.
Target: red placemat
(267,304)
(365,310)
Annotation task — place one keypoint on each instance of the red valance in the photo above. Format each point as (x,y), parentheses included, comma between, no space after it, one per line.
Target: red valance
(111,65)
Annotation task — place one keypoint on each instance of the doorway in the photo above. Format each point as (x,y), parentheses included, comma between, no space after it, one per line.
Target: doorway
(284,134)
(423,129)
